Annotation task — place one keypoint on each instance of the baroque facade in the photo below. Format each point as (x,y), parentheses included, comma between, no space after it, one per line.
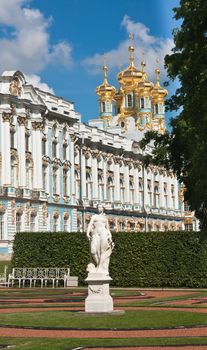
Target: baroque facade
(54,169)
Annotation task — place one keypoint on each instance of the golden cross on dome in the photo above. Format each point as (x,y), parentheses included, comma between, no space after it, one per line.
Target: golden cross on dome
(143,64)
(131,36)
(105,69)
(157,71)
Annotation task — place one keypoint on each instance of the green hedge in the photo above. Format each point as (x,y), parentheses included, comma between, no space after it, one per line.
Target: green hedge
(148,259)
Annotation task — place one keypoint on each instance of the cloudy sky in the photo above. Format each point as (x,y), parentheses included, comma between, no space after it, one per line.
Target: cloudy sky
(60,44)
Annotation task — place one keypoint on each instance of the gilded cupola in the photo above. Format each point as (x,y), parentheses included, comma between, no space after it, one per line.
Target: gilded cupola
(158,104)
(106,93)
(130,76)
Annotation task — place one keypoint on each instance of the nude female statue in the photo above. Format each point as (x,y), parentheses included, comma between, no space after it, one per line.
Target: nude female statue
(100,239)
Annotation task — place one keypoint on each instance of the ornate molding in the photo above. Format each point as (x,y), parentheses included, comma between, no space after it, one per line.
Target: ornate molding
(22,120)
(14,88)
(37,125)
(6,116)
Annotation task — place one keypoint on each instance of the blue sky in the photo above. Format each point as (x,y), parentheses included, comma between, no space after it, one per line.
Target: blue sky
(62,42)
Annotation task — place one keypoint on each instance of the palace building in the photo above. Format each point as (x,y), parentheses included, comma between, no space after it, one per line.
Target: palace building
(54,169)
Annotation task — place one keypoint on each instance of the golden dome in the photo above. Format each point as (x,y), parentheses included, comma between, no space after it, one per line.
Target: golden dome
(158,92)
(144,85)
(105,90)
(131,75)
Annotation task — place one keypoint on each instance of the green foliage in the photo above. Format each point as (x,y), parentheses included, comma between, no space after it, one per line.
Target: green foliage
(185,149)
(147,259)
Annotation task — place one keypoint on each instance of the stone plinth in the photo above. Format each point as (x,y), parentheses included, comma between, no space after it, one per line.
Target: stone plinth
(98,299)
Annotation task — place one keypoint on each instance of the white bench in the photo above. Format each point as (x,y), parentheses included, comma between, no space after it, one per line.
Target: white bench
(42,274)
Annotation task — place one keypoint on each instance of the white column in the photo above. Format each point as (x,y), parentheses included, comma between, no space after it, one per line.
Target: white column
(83,174)
(136,184)
(169,182)
(161,185)
(21,151)
(117,181)
(145,187)
(37,155)
(176,193)
(5,147)
(105,177)
(126,182)
(95,176)
(72,169)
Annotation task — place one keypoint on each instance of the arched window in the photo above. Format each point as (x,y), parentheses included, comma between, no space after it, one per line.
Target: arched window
(18,222)
(156,108)
(44,178)
(29,174)
(165,195)
(65,182)
(141,192)
(142,102)
(55,224)
(110,190)
(66,222)
(77,184)
(103,107)
(32,222)
(100,188)
(129,100)
(54,180)
(156,197)
(89,189)
(149,190)
(122,190)
(173,196)
(131,191)
(14,172)
(54,149)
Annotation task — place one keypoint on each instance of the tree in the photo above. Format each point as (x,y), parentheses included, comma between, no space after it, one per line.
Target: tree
(184,149)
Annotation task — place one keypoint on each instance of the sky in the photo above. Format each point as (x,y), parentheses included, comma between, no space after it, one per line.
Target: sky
(60,44)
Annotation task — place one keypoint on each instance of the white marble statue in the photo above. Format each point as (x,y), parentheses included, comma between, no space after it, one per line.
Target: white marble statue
(101,244)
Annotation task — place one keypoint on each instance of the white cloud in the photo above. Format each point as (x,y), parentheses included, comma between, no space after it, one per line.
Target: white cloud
(35,80)
(154,48)
(27,47)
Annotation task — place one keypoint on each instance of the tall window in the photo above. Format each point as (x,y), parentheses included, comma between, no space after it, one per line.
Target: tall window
(188,227)
(54,180)
(165,195)
(64,151)
(173,196)
(77,184)
(54,149)
(141,192)
(66,223)
(129,100)
(110,190)
(122,190)
(131,189)
(29,175)
(88,186)
(44,178)
(156,108)
(103,107)
(1,226)
(55,224)
(142,102)
(156,197)
(100,188)
(149,189)
(18,222)
(32,223)
(65,182)
(43,146)
(14,164)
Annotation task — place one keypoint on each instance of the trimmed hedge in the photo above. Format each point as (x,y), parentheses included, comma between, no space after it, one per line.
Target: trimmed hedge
(148,259)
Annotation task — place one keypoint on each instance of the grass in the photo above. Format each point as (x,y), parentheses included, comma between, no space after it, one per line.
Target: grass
(131,319)
(69,344)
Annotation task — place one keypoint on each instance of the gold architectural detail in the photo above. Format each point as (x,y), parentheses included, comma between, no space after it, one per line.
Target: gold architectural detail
(19,209)
(56,214)
(14,88)
(66,215)
(27,212)
(2,208)
(37,125)
(6,116)
(22,120)
(44,213)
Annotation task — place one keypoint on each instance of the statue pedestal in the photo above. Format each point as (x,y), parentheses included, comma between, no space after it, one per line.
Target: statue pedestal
(98,299)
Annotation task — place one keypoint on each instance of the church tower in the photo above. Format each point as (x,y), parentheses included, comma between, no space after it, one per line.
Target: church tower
(106,94)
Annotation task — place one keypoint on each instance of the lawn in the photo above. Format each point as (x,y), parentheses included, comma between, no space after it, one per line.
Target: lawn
(69,344)
(131,319)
